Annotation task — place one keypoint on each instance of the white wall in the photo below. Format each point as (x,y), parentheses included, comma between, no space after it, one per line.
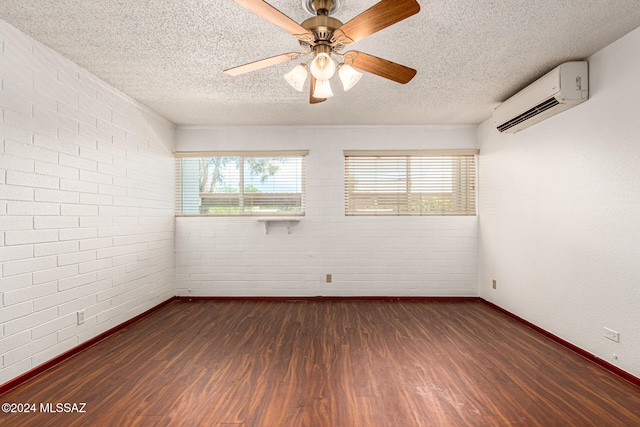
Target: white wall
(374,256)
(86,205)
(560,214)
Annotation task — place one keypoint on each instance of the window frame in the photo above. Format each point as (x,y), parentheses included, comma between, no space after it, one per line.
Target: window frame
(242,195)
(462,198)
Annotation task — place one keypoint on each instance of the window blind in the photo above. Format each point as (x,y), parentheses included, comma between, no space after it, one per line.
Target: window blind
(240,183)
(410,182)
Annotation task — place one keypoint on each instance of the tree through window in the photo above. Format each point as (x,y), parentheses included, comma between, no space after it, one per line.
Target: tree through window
(240,183)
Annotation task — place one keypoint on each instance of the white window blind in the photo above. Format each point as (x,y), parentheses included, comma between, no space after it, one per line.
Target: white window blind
(240,183)
(410,182)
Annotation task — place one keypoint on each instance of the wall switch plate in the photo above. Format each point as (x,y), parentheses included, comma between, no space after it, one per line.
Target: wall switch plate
(328,278)
(80,317)
(612,335)
(494,284)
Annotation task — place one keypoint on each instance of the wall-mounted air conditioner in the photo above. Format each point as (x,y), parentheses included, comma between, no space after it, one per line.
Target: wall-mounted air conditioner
(560,89)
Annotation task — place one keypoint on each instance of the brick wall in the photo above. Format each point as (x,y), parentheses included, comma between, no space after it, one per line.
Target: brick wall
(367,256)
(86,214)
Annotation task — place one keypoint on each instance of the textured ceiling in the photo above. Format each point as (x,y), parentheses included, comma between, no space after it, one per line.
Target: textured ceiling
(470,55)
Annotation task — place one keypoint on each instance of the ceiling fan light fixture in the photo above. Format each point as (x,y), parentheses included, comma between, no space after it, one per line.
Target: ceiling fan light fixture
(348,76)
(323,67)
(323,89)
(297,77)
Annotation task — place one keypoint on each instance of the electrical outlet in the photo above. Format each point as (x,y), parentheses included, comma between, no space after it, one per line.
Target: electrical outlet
(328,278)
(494,283)
(80,317)
(612,335)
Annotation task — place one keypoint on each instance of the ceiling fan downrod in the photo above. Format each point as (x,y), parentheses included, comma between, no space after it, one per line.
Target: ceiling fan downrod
(315,6)
(322,7)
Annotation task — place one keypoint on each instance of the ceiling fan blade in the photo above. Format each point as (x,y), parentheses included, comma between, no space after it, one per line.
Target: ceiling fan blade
(312,88)
(263,63)
(273,15)
(381,67)
(379,16)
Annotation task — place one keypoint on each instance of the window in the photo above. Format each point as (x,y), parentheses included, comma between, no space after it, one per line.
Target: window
(240,183)
(410,182)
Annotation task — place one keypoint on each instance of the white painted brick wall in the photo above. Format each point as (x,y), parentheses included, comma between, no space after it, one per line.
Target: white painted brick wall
(367,256)
(86,205)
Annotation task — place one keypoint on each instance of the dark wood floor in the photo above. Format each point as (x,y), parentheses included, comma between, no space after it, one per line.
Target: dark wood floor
(329,364)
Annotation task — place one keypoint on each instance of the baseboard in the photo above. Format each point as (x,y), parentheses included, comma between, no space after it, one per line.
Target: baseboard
(591,357)
(75,350)
(327,298)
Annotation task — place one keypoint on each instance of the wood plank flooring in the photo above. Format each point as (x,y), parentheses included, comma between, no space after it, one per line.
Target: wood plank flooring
(328,363)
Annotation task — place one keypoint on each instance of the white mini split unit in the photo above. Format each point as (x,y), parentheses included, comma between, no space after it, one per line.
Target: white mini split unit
(560,89)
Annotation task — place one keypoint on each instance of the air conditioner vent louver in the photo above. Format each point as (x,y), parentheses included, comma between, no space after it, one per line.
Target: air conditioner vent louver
(543,106)
(562,88)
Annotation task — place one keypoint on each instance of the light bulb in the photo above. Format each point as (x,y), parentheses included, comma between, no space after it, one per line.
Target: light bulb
(323,89)
(297,77)
(323,67)
(348,76)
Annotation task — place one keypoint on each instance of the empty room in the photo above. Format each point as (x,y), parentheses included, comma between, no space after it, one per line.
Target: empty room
(323,213)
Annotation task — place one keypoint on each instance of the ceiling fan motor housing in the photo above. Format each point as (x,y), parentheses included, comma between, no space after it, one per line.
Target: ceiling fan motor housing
(322,27)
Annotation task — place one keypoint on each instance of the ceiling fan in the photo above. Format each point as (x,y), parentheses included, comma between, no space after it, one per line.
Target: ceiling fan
(325,37)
